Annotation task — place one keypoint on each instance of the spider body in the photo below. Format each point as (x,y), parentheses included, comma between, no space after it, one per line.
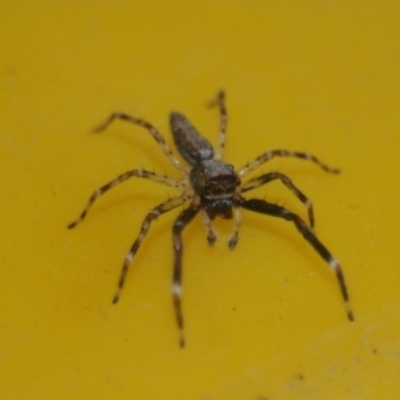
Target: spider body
(213,180)
(214,189)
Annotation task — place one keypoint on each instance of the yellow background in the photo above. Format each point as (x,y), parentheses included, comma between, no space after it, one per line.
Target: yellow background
(265,321)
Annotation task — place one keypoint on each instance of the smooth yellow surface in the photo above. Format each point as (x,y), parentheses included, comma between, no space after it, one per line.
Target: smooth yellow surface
(265,321)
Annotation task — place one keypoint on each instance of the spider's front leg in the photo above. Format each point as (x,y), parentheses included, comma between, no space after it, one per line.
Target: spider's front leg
(153,214)
(263,207)
(271,176)
(183,219)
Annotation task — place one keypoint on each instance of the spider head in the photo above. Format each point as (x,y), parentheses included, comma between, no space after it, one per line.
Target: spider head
(212,179)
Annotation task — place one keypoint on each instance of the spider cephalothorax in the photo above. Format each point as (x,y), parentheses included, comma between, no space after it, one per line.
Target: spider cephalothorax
(213,188)
(212,179)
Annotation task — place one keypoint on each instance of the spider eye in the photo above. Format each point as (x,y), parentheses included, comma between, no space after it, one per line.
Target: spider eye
(221,188)
(217,190)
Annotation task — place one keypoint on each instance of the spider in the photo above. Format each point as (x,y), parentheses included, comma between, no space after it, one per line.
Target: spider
(212,188)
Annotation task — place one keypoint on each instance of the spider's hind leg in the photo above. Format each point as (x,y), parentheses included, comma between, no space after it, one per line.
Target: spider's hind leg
(223,120)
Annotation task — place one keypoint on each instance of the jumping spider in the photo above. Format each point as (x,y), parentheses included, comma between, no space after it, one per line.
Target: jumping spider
(212,188)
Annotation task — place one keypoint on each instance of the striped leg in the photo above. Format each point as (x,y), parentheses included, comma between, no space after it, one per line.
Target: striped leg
(184,218)
(157,211)
(153,132)
(263,158)
(211,236)
(139,173)
(223,120)
(263,179)
(261,206)
(238,222)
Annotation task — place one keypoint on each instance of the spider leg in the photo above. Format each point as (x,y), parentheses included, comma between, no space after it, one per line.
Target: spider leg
(268,155)
(238,222)
(223,120)
(139,173)
(152,130)
(261,206)
(211,236)
(153,214)
(183,219)
(265,178)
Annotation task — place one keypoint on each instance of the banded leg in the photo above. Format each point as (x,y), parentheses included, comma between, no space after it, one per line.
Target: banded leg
(152,130)
(139,173)
(238,222)
(263,158)
(263,179)
(153,214)
(223,120)
(211,236)
(183,219)
(261,206)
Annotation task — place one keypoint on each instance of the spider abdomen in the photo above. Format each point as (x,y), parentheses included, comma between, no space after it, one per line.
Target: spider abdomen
(191,145)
